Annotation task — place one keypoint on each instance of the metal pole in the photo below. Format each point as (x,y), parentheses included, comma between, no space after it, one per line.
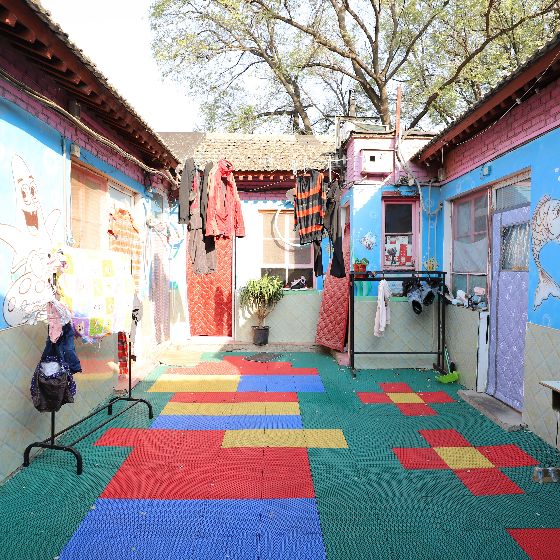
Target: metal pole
(52,426)
(351,326)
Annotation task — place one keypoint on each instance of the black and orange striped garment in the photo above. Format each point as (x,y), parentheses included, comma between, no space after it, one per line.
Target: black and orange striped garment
(309,207)
(309,211)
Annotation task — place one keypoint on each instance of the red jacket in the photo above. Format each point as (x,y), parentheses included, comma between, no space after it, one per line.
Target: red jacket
(223,216)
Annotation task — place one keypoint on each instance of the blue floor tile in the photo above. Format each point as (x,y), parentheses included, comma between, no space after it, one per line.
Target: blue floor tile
(171,422)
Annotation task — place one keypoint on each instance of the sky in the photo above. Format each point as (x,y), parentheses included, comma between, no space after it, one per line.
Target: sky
(115,36)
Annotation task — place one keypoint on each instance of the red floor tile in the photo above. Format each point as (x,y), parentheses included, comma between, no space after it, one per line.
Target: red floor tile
(488,482)
(507,456)
(247,367)
(249,396)
(374,398)
(419,458)
(416,409)
(444,438)
(396,388)
(436,397)
(538,544)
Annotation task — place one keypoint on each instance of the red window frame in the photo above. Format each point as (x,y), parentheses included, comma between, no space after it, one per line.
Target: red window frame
(414,203)
(471,236)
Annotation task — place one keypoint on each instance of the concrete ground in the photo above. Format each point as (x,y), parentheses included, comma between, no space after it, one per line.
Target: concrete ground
(287,459)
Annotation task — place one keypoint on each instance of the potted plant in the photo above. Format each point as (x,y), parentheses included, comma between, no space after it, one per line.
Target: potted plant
(259,298)
(360,265)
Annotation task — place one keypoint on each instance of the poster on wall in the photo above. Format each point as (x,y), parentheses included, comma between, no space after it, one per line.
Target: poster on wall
(398,250)
(98,289)
(32,178)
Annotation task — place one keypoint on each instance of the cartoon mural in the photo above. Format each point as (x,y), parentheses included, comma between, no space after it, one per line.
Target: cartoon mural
(31,174)
(545,229)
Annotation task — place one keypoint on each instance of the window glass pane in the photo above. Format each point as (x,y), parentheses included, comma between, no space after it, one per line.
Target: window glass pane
(476,282)
(273,252)
(300,256)
(462,218)
(480,213)
(267,224)
(398,218)
(515,247)
(296,273)
(513,196)
(459,282)
(280,272)
(470,242)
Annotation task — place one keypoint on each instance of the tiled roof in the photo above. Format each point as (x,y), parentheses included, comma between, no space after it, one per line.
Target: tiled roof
(253,152)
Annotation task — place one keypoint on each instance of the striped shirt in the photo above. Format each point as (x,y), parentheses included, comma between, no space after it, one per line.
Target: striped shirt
(309,207)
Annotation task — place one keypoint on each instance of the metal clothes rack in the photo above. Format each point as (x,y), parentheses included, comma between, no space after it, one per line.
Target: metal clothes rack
(398,276)
(50,442)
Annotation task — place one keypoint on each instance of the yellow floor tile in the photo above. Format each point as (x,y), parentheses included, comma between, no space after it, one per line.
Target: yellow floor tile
(244,438)
(283,408)
(284,438)
(463,458)
(333,439)
(401,398)
(192,384)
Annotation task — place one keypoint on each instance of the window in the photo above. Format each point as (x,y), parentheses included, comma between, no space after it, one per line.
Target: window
(400,233)
(515,247)
(89,209)
(120,198)
(470,242)
(279,259)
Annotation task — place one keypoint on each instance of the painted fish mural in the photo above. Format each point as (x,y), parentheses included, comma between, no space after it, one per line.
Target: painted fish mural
(545,229)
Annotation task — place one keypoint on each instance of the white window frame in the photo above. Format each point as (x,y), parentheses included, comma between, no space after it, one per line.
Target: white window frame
(287,266)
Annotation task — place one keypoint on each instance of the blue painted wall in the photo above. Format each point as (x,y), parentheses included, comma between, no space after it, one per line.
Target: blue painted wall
(366,220)
(542,157)
(32,178)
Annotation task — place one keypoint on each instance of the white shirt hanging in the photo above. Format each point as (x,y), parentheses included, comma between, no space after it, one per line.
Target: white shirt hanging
(383,314)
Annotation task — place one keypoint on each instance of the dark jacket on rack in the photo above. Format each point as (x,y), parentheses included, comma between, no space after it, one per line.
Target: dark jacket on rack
(333,226)
(185,189)
(202,248)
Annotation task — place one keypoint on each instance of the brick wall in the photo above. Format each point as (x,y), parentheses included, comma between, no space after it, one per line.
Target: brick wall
(539,114)
(16,65)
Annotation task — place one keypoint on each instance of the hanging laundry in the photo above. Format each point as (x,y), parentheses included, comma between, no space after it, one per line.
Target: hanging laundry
(309,212)
(223,215)
(98,289)
(382,315)
(53,383)
(185,190)
(333,226)
(202,248)
(122,353)
(137,313)
(58,315)
(125,238)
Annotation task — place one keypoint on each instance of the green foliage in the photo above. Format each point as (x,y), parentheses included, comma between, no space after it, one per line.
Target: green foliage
(289,64)
(260,296)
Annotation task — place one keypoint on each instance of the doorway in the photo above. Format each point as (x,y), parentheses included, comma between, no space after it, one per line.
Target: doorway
(509,294)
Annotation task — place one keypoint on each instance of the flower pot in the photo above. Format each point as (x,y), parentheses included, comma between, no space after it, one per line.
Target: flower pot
(260,335)
(360,267)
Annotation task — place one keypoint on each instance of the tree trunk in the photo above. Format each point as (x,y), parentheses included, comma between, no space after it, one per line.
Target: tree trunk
(384,108)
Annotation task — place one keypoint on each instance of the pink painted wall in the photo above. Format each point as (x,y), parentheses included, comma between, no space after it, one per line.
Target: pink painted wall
(539,114)
(17,66)
(382,142)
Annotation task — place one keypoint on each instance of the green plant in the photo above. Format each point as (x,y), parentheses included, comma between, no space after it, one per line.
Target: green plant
(260,296)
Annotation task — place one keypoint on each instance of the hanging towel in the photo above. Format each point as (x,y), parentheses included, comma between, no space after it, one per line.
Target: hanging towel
(185,189)
(382,315)
(122,351)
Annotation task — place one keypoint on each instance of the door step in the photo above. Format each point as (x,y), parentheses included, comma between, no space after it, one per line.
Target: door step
(501,414)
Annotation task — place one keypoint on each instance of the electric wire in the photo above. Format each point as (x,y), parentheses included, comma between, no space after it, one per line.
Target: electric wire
(102,139)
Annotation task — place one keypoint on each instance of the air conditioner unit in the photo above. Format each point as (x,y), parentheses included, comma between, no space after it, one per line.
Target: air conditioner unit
(377,162)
